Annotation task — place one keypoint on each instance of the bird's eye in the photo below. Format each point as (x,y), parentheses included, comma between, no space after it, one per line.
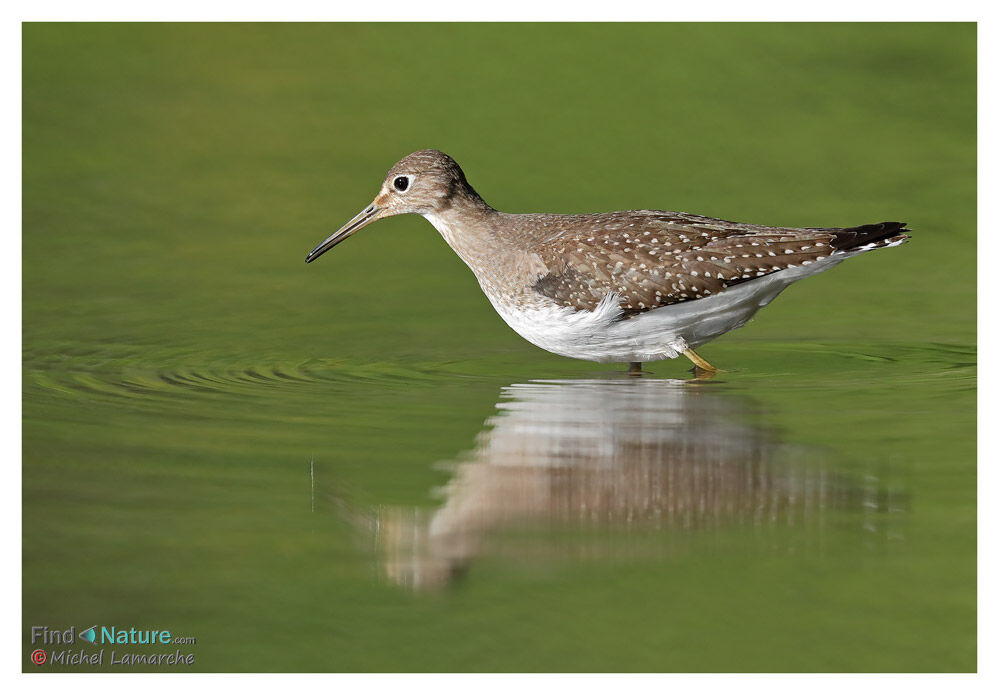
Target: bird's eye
(401,183)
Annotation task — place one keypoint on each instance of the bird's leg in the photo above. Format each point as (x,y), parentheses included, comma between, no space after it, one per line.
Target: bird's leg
(699,362)
(634,368)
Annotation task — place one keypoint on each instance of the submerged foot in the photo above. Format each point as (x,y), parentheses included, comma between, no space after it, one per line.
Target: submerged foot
(700,373)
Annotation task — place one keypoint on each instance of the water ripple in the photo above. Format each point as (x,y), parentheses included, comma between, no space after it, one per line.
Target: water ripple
(135,374)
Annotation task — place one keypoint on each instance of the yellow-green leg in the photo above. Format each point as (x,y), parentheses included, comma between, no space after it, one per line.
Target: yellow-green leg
(699,362)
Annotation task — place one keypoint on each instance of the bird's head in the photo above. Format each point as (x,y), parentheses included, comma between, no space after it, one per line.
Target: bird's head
(423,183)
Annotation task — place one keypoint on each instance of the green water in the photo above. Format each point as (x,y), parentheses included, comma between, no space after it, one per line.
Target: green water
(356,466)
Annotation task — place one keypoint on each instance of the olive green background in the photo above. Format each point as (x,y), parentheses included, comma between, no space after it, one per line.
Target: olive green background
(183,366)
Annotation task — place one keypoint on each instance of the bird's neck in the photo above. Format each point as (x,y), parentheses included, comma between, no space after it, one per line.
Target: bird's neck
(502,262)
(469,226)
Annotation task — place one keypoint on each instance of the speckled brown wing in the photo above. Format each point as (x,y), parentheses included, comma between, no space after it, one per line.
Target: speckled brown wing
(653,259)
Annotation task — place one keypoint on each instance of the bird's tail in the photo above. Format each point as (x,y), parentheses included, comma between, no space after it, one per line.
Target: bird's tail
(869,236)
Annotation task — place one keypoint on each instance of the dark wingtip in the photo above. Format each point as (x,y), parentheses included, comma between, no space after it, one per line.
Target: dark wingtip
(855,237)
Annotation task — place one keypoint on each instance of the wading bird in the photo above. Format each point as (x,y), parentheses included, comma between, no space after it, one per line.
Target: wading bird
(632,286)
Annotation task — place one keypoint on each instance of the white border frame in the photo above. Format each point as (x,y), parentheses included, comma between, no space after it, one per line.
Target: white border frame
(512,10)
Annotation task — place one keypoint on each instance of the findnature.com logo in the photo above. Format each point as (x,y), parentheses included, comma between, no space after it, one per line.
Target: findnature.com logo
(62,651)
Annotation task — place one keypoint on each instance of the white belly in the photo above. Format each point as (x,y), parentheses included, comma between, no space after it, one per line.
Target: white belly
(602,336)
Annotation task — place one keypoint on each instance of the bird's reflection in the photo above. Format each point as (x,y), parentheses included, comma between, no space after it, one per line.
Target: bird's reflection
(613,453)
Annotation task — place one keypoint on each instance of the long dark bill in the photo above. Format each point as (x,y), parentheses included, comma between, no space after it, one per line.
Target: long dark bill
(361,219)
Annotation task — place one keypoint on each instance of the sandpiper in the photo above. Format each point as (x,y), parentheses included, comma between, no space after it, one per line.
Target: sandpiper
(632,286)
